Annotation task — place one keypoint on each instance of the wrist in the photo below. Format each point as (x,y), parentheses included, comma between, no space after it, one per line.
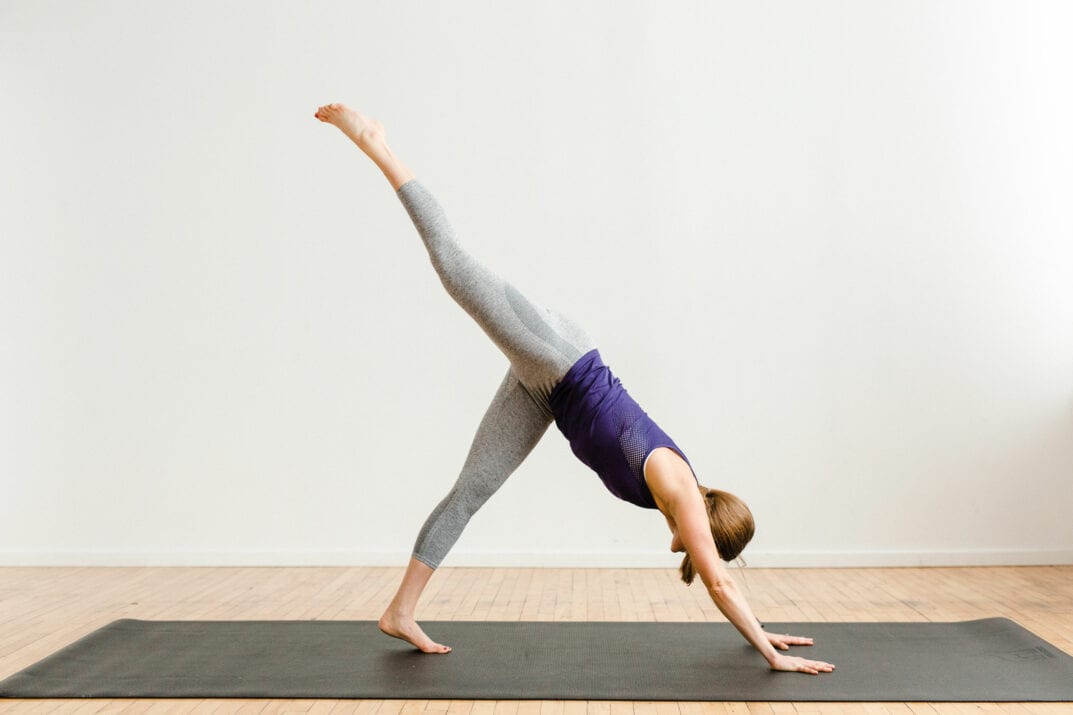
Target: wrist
(769,651)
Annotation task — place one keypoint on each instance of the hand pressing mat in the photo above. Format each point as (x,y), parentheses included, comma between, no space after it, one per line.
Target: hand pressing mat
(984,660)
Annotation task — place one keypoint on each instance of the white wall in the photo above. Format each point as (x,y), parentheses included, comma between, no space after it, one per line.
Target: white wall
(827,246)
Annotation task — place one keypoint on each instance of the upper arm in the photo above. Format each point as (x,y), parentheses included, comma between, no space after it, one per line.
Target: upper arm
(695,531)
(683,501)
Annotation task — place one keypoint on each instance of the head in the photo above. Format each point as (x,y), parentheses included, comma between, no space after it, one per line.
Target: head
(732,528)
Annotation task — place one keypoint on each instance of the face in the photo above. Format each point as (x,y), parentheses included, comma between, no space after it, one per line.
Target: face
(676,543)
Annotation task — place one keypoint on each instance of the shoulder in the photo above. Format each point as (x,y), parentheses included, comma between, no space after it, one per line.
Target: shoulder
(668,476)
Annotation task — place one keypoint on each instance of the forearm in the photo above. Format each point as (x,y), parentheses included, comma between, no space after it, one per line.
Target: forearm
(731,603)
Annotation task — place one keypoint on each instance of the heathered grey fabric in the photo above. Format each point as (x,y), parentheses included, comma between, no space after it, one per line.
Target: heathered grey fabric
(541,345)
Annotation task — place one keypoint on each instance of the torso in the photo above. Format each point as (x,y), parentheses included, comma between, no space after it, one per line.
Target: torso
(609,432)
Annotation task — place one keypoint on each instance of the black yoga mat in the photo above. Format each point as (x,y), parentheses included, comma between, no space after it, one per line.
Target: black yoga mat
(985,660)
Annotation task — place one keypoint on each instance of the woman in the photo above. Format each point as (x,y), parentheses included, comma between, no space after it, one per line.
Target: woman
(557,373)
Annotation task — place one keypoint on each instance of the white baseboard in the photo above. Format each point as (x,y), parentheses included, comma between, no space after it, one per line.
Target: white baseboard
(661,559)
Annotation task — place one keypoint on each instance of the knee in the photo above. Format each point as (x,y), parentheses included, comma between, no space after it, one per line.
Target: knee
(472,491)
(452,265)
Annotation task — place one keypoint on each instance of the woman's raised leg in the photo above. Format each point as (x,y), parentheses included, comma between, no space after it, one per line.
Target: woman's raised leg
(540,344)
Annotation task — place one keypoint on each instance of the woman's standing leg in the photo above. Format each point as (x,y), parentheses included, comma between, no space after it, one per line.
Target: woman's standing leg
(511,427)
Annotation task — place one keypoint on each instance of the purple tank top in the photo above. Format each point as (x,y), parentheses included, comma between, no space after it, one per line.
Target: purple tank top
(607,429)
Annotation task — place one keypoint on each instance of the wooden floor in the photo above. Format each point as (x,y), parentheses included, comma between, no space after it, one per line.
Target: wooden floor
(43,609)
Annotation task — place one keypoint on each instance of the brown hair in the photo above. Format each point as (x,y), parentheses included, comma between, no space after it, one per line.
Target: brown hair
(732,527)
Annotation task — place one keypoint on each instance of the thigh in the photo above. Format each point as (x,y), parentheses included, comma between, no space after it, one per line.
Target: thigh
(549,343)
(541,345)
(531,336)
(511,427)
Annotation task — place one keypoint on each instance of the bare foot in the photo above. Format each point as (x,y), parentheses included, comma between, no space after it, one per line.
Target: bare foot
(408,630)
(362,130)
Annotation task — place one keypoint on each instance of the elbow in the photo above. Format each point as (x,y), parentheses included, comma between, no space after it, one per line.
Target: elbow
(721,587)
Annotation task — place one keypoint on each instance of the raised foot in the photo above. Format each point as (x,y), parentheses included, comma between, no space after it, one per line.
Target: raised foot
(407,629)
(362,130)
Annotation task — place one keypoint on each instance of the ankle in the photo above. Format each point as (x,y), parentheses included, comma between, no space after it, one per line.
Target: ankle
(374,145)
(398,613)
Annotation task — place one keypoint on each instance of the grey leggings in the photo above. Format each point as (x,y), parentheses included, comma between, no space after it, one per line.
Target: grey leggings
(541,346)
